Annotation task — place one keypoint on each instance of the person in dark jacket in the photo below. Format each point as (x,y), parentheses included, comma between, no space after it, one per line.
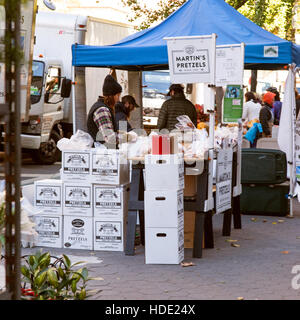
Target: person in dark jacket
(277,105)
(101,123)
(176,106)
(266,117)
(123,110)
(297,96)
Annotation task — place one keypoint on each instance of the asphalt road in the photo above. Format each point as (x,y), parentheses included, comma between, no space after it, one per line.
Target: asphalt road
(32,171)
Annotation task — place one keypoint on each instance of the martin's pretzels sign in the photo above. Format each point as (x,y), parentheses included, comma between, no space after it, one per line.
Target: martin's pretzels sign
(192,59)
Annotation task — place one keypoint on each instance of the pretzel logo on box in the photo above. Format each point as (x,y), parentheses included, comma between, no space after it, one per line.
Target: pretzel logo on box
(76,162)
(105,164)
(50,196)
(108,198)
(108,231)
(78,196)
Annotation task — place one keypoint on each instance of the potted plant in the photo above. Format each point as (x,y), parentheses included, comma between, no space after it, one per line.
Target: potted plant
(52,278)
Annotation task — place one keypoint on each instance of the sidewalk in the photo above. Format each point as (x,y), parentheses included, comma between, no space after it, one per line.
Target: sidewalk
(259,269)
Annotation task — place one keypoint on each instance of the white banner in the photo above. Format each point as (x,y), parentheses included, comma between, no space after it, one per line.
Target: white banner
(192,59)
(229,65)
(287,118)
(224,180)
(287,127)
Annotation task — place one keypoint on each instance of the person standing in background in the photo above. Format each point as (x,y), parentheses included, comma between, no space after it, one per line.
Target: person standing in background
(251,108)
(266,117)
(178,105)
(297,102)
(123,110)
(277,105)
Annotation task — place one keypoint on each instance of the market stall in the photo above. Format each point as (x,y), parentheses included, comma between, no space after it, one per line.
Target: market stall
(82,176)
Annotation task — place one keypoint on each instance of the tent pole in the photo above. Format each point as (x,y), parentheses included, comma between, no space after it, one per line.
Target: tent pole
(293,158)
(73,100)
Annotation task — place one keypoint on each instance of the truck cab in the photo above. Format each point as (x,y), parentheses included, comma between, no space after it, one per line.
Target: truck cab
(49,88)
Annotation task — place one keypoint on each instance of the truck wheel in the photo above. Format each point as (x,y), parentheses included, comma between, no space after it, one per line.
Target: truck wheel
(48,153)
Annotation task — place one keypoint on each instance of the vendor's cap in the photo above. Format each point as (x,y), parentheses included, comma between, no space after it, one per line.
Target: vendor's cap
(131,100)
(176,87)
(111,86)
(268,97)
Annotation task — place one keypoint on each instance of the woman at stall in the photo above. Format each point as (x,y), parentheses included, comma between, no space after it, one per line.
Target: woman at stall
(101,123)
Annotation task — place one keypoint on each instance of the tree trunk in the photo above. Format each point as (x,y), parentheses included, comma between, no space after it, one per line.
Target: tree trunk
(253,80)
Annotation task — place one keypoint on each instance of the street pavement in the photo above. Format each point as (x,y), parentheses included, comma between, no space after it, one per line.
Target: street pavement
(259,269)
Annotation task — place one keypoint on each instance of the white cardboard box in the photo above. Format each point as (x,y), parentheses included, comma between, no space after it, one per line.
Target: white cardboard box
(78,232)
(77,199)
(109,167)
(164,172)
(49,229)
(164,209)
(110,202)
(48,195)
(164,245)
(76,166)
(109,235)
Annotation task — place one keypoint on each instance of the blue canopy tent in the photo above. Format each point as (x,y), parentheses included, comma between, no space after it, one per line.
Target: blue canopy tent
(146,50)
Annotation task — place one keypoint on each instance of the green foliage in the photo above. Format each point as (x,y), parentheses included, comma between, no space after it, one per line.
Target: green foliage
(273,15)
(53,281)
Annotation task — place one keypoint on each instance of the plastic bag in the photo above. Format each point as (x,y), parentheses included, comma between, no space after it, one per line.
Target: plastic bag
(79,141)
(184,123)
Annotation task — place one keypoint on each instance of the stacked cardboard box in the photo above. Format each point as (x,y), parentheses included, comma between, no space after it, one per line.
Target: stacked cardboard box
(164,221)
(88,206)
(110,177)
(48,197)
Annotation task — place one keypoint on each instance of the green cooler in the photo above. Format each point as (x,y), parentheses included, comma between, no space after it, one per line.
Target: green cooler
(265,200)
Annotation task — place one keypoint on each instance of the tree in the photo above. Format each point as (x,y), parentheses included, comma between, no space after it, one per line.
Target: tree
(273,15)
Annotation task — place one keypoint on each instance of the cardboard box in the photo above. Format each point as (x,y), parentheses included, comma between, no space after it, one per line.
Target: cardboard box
(189,229)
(164,245)
(78,232)
(109,167)
(49,229)
(48,195)
(77,199)
(163,209)
(110,202)
(164,172)
(190,186)
(76,166)
(109,235)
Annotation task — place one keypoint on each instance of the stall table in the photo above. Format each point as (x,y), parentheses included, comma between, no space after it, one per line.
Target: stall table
(203,217)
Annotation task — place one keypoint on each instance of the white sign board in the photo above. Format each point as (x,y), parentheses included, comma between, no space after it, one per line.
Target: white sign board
(192,59)
(224,180)
(229,64)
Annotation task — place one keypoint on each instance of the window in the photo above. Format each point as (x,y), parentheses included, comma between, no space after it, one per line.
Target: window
(53,81)
(36,81)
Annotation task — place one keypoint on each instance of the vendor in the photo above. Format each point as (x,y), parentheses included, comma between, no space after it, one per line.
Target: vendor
(101,123)
(123,110)
(178,105)
(266,117)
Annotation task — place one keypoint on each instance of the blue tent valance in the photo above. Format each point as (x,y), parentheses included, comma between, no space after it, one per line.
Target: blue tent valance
(147,50)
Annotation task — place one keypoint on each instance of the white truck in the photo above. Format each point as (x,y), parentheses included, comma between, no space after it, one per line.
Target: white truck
(50,114)
(27,23)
